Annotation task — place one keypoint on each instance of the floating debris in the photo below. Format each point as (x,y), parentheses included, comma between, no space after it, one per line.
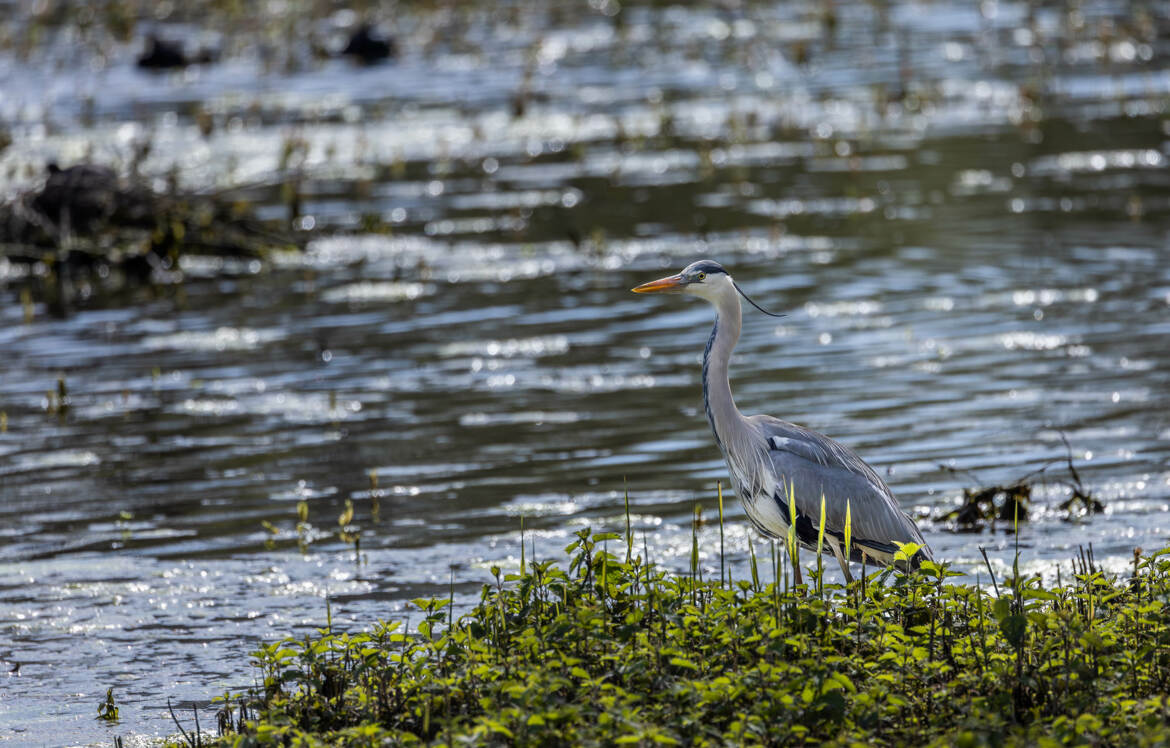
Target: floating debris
(86,219)
(370,46)
(78,198)
(1012,502)
(170,54)
(162,54)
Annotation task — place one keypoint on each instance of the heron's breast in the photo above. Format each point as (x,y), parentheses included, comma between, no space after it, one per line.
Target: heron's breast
(756,490)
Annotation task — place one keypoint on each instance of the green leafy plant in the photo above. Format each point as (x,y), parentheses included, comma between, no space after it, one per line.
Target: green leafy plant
(607,651)
(107,710)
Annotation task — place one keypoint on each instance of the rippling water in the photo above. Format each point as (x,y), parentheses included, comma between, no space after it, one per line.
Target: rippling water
(964,214)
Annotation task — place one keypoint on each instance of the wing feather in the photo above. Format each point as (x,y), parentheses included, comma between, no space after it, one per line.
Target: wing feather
(812,464)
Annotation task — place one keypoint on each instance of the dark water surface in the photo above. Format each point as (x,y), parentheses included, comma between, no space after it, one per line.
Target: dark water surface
(963,208)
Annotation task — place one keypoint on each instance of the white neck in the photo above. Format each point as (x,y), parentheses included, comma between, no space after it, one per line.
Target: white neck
(717,399)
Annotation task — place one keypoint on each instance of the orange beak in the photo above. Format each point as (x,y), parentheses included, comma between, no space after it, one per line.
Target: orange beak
(662,285)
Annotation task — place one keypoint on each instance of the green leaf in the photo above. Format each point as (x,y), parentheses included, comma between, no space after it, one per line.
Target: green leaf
(1014,627)
(906,551)
(497,727)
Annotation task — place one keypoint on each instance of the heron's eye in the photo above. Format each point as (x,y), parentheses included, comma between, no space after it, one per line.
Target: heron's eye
(701,276)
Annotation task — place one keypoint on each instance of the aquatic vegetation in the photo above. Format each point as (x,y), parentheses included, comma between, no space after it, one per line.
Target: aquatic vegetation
(1012,502)
(107,710)
(57,401)
(306,533)
(347,532)
(87,219)
(1081,499)
(612,649)
(194,740)
(991,503)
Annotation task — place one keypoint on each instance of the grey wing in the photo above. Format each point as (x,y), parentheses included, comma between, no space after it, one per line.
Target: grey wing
(813,465)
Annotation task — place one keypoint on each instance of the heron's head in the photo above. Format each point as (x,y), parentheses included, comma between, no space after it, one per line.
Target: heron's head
(705,278)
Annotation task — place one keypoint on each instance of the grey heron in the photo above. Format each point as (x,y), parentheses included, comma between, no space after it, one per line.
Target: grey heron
(772,460)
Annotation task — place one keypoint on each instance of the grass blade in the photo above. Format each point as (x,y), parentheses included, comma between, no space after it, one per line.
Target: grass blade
(848,530)
(821,548)
(719,488)
(793,547)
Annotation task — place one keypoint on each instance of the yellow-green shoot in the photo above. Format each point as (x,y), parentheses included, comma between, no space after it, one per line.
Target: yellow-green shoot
(793,550)
(906,552)
(821,546)
(848,529)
